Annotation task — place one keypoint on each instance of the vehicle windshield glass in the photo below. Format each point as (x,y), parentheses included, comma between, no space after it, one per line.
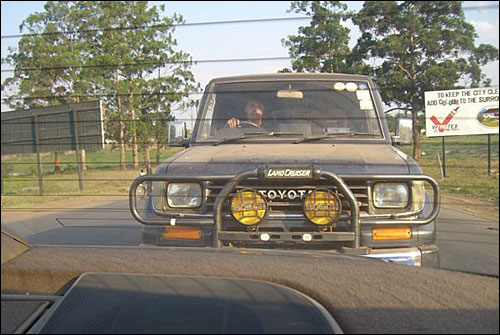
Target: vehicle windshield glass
(366,131)
(304,108)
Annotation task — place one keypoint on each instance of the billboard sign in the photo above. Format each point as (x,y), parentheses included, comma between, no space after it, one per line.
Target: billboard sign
(55,128)
(462,112)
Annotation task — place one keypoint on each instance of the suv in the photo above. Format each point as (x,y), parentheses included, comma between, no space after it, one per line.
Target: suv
(301,161)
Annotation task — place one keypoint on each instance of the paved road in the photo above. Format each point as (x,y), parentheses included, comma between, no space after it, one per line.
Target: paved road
(466,243)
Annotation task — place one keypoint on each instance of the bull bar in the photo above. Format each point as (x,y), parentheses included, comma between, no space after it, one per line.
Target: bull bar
(353,236)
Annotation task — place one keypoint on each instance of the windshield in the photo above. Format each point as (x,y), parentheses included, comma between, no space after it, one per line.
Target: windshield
(301,108)
(307,142)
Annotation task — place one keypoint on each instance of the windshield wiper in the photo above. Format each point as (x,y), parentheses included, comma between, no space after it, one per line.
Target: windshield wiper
(254,135)
(332,135)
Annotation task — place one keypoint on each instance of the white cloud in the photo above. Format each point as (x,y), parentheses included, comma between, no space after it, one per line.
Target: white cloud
(484,27)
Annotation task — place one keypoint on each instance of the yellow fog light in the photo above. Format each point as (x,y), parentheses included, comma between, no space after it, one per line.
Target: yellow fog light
(322,207)
(248,207)
(393,233)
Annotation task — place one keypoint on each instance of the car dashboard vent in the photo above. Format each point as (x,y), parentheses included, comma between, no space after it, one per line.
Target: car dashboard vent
(129,303)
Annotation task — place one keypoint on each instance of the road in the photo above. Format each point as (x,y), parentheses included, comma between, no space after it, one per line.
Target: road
(467,243)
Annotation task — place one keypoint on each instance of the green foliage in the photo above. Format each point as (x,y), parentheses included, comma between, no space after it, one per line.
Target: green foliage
(95,58)
(323,45)
(466,165)
(158,68)
(420,46)
(42,62)
(6,170)
(409,47)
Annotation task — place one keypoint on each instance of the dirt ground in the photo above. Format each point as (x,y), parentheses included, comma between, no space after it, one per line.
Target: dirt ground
(471,206)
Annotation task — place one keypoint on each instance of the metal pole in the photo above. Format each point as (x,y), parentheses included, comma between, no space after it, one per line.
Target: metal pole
(77,148)
(38,158)
(440,166)
(444,158)
(489,154)
(158,132)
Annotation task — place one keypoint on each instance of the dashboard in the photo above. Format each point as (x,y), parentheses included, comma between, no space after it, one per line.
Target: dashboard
(50,289)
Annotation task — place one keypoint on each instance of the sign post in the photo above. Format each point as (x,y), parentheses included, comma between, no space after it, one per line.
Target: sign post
(462,112)
(38,158)
(444,157)
(77,150)
(489,154)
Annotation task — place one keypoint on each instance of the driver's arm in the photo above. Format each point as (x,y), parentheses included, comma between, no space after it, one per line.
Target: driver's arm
(233,123)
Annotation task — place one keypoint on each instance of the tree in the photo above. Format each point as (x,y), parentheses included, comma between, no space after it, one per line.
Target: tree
(138,54)
(323,45)
(80,50)
(419,46)
(43,73)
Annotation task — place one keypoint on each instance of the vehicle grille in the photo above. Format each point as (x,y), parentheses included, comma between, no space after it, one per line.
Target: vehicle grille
(289,210)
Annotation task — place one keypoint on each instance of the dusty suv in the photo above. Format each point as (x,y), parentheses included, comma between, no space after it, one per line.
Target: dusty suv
(301,161)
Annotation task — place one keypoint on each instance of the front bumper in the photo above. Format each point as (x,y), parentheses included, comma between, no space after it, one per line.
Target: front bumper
(357,237)
(427,256)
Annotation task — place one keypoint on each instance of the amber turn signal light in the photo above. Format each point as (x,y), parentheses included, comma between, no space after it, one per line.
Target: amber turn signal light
(392,233)
(183,233)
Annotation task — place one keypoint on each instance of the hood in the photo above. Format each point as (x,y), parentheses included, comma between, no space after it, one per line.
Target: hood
(341,159)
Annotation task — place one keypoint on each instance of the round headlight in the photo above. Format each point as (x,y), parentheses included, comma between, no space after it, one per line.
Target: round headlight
(248,207)
(322,207)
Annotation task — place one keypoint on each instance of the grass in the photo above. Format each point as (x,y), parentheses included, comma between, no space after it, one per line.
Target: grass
(490,123)
(26,165)
(25,191)
(102,177)
(466,166)
(457,147)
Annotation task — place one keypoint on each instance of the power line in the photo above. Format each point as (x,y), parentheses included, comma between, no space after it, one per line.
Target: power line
(125,195)
(188,92)
(188,62)
(123,210)
(185,62)
(82,66)
(452,187)
(190,163)
(300,18)
(194,92)
(154,119)
(282,19)
(210,141)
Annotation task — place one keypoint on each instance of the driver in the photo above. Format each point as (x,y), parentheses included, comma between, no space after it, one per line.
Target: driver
(254,112)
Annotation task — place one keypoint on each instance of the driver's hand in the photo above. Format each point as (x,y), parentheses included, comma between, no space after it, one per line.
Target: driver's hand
(233,123)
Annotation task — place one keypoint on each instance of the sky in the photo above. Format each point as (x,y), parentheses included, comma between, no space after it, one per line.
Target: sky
(245,40)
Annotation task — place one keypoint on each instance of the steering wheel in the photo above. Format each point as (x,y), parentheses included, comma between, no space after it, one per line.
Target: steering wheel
(246,124)
(249,124)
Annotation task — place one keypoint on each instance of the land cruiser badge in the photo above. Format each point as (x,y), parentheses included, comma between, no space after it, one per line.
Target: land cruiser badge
(288,173)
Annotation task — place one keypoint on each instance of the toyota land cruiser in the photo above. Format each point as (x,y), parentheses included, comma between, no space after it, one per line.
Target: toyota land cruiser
(301,161)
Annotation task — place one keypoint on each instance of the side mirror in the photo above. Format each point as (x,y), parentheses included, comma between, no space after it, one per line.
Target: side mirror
(404,131)
(177,134)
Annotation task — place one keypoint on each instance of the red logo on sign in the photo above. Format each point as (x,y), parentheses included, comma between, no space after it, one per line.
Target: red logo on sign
(442,126)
